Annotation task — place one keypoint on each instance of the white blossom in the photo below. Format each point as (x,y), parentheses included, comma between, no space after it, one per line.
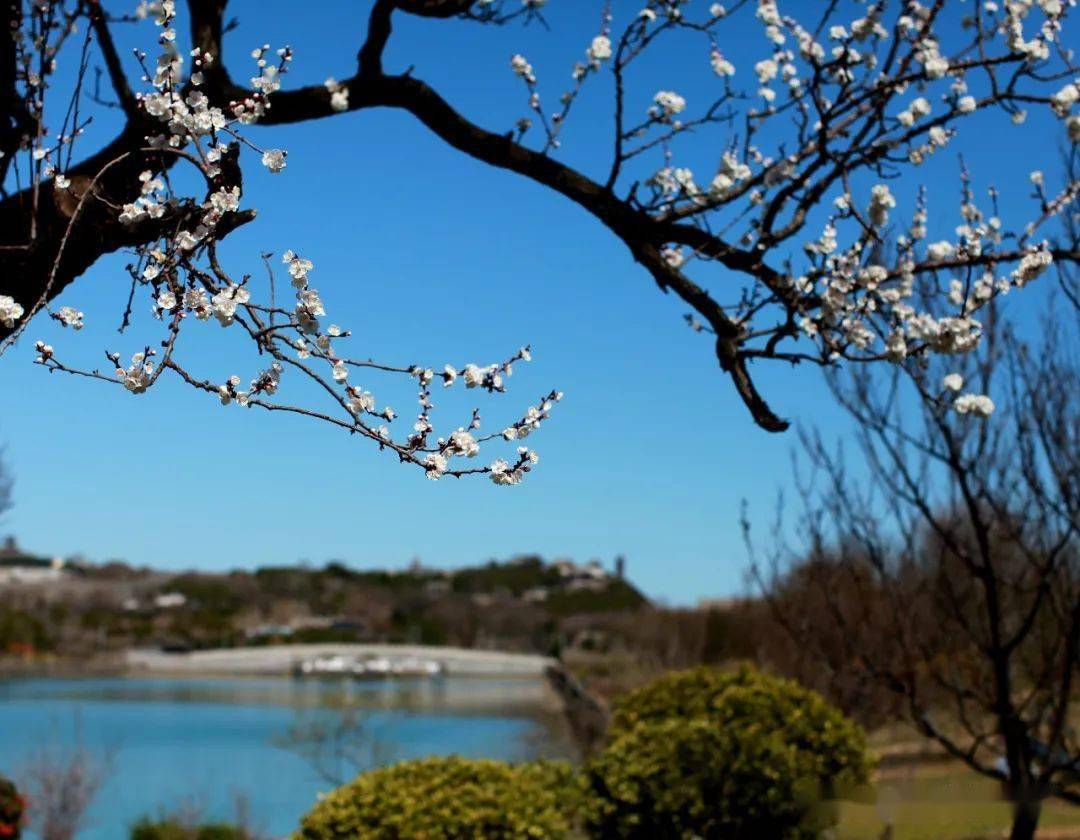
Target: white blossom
(966,104)
(226,301)
(720,65)
(339,94)
(600,49)
(274,159)
(520,65)
(70,317)
(10,311)
(1031,265)
(976,404)
(953,382)
(881,202)
(669,102)
(435,465)
(501,473)
(138,376)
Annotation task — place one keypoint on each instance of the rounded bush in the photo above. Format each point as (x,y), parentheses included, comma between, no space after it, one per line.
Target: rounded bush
(709,754)
(830,746)
(447,799)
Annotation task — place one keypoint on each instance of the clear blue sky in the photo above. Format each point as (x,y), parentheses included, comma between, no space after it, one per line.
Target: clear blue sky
(429,256)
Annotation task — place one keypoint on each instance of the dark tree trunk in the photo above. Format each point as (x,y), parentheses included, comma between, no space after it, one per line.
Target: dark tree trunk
(1025,819)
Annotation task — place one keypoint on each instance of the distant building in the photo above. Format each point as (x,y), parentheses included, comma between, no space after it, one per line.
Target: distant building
(18,567)
(586,583)
(169,600)
(569,570)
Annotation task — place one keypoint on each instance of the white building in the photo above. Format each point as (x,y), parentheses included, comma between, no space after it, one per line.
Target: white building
(19,568)
(169,600)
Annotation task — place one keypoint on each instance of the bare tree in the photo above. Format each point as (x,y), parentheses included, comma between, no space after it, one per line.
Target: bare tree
(62,783)
(945,557)
(337,744)
(7,485)
(847,100)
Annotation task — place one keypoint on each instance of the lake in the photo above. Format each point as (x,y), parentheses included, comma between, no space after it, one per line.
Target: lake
(203,745)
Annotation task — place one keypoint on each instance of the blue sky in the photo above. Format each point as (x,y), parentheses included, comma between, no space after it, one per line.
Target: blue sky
(430,256)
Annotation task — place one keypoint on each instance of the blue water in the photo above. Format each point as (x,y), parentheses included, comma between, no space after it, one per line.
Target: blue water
(168,744)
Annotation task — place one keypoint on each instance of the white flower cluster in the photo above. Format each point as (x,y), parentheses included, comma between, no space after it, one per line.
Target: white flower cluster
(668,104)
(881,202)
(267,382)
(533,418)
(70,317)
(149,205)
(274,160)
(732,173)
(139,375)
(975,404)
(505,473)
(918,109)
(1037,48)
(599,50)
(720,65)
(953,382)
(223,304)
(861,304)
(1031,265)
(339,94)
(10,311)
(521,67)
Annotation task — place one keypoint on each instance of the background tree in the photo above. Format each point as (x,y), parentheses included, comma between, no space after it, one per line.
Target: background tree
(950,574)
(62,783)
(776,250)
(337,743)
(7,485)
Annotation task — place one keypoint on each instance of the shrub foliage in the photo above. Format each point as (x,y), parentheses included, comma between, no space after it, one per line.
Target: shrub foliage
(704,753)
(696,754)
(173,829)
(448,799)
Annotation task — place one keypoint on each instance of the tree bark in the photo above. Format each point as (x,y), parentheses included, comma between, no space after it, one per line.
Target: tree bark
(1025,818)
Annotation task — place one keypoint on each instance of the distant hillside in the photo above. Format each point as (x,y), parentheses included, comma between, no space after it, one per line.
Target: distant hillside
(521,604)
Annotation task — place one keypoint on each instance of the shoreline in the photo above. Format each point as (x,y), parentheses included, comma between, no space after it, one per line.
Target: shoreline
(281,660)
(559,694)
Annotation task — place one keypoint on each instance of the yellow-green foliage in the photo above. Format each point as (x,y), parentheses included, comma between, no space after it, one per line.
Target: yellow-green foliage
(170,828)
(450,799)
(709,754)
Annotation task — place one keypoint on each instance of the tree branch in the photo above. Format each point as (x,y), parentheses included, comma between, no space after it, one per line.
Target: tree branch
(113,66)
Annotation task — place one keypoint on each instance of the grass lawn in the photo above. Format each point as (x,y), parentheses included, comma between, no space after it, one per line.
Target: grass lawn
(945,801)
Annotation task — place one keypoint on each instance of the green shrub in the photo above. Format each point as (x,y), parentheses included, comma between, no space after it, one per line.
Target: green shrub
(831,747)
(11,810)
(734,755)
(174,829)
(450,798)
